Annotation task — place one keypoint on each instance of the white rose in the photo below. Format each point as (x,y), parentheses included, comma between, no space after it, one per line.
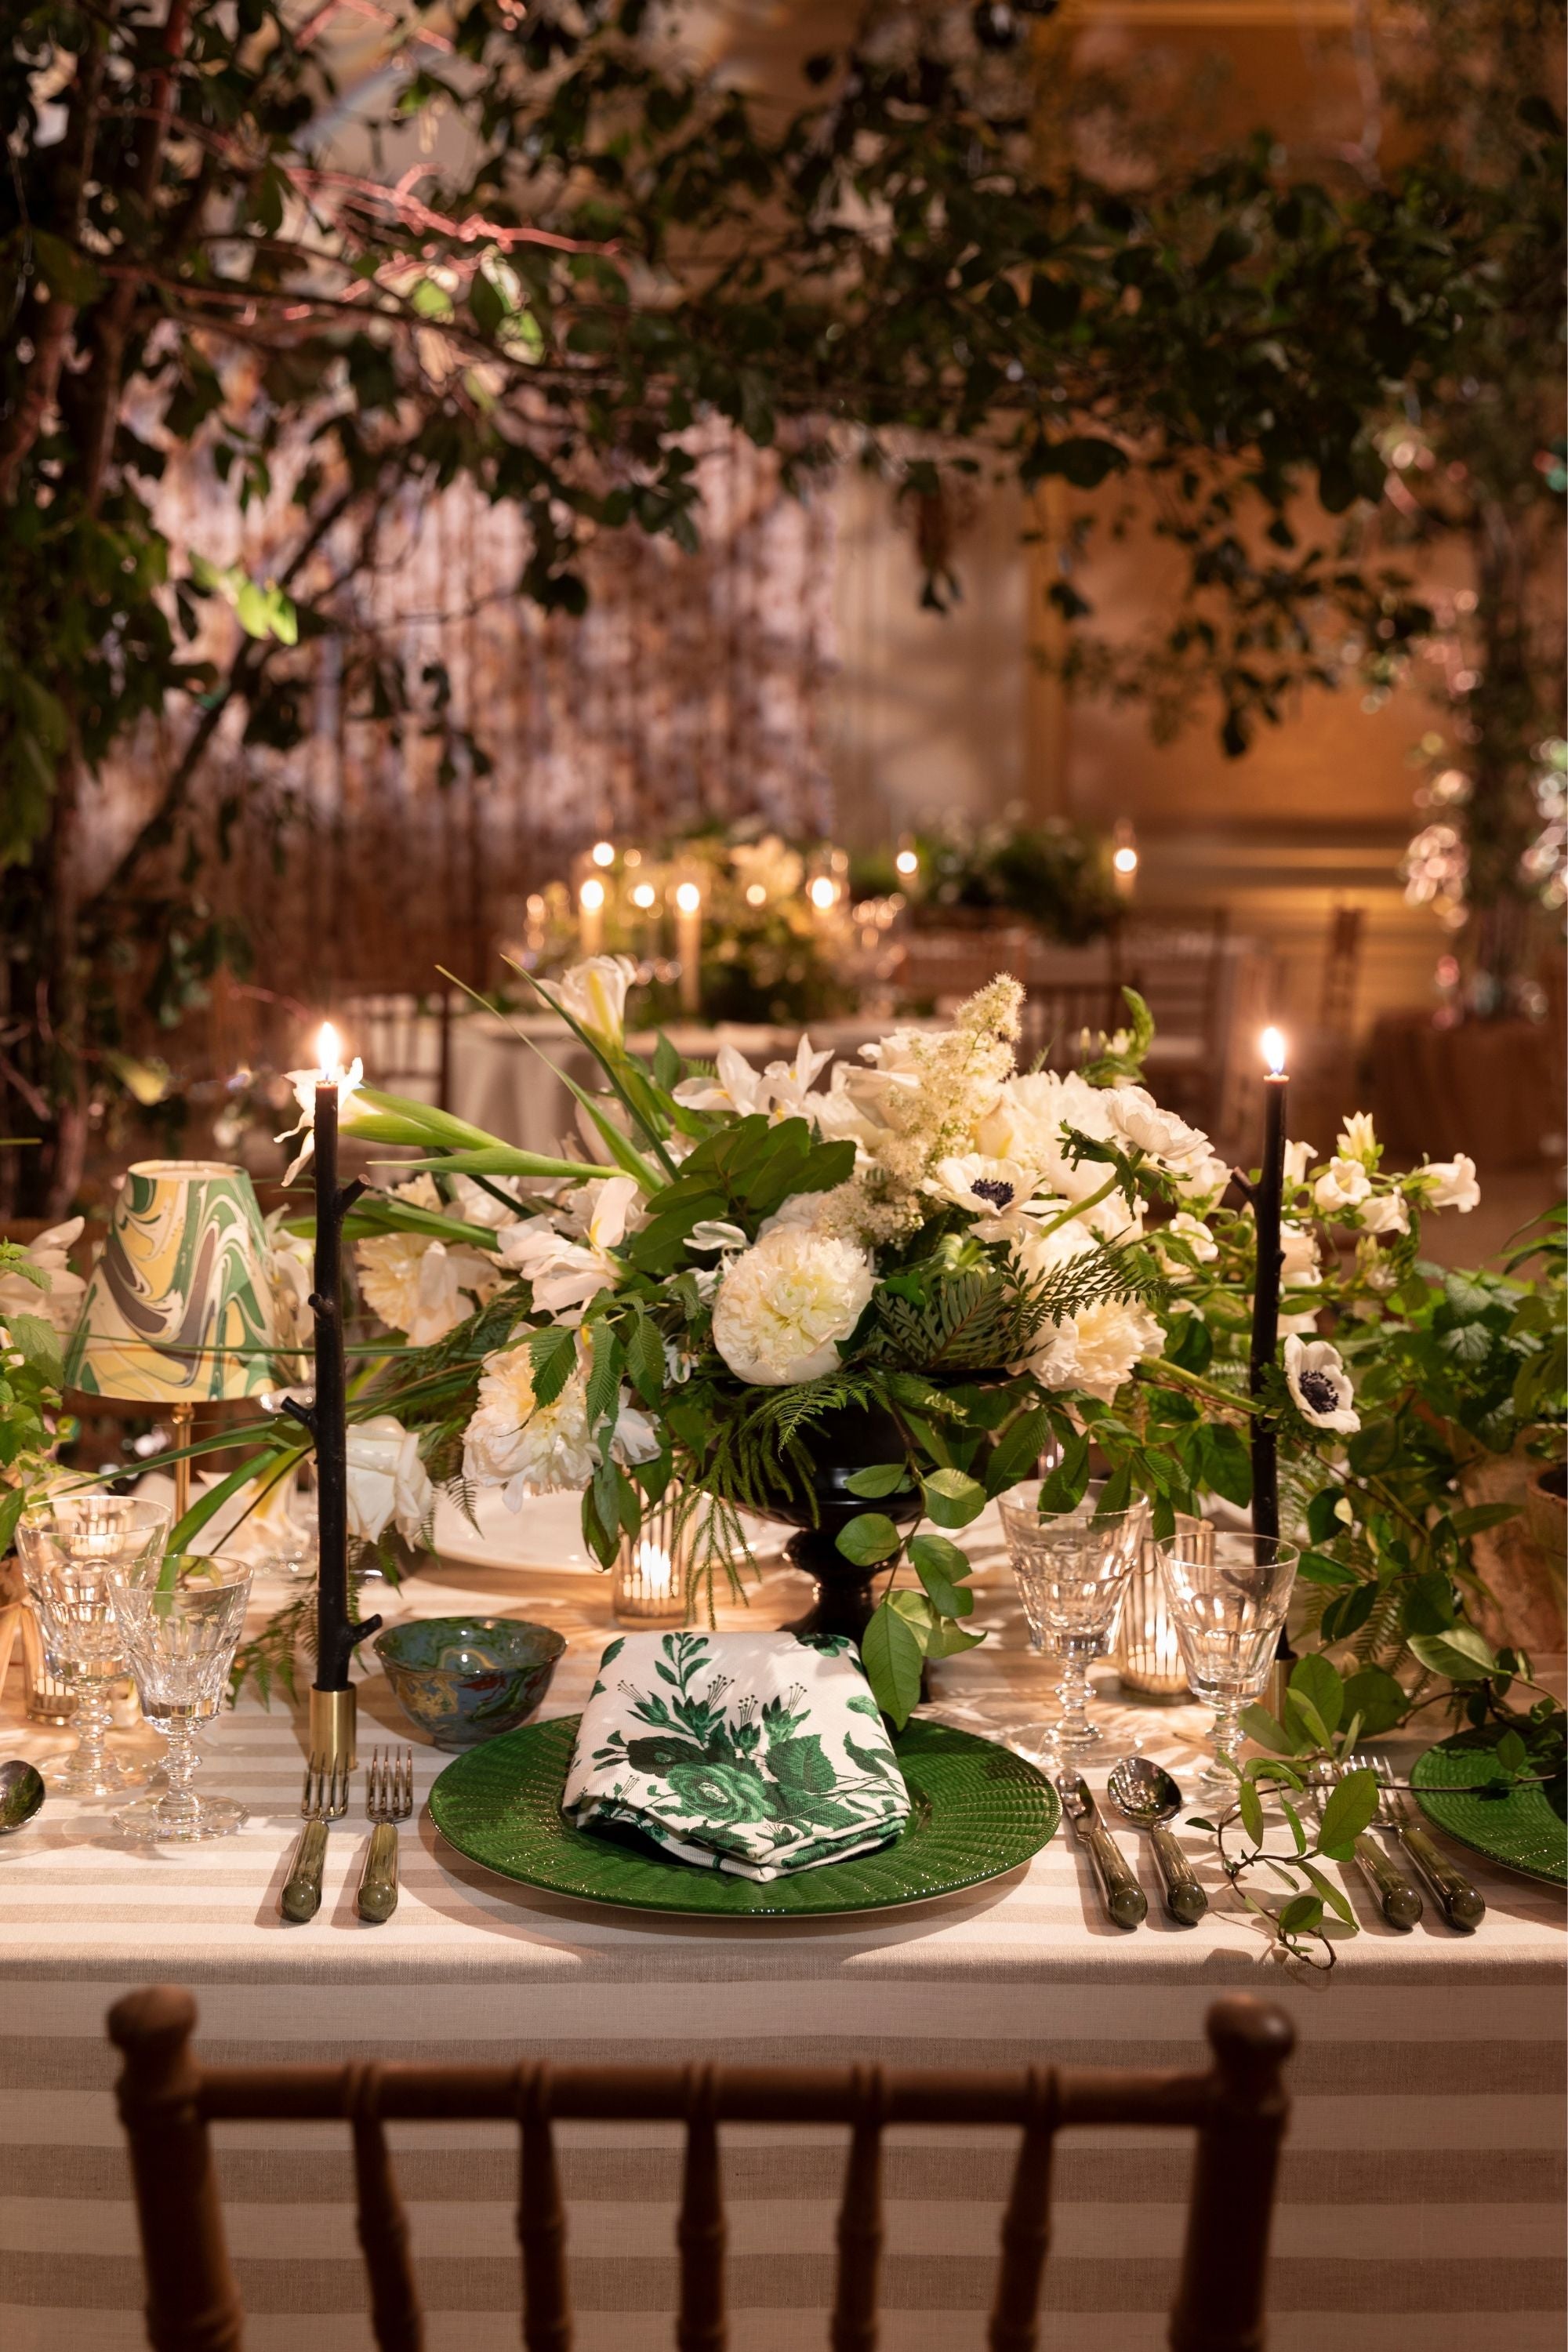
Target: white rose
(1386,1213)
(785,1303)
(1317,1379)
(1343,1184)
(595,995)
(386,1480)
(1096,1351)
(423,1286)
(1449,1183)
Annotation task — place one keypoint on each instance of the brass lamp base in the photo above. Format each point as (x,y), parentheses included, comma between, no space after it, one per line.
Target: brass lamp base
(332,1729)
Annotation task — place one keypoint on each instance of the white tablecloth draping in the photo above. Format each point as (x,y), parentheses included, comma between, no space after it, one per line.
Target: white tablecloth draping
(1422,2178)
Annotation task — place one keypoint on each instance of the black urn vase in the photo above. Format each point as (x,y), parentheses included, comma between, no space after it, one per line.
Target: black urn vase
(821,1506)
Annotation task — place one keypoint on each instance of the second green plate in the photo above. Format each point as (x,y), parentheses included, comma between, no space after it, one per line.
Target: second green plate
(1524,1829)
(975,1811)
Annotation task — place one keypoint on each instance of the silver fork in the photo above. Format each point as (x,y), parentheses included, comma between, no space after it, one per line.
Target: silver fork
(1462,1904)
(324,1798)
(1398,1898)
(388,1799)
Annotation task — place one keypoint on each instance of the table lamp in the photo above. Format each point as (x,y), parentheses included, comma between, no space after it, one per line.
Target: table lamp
(179,1309)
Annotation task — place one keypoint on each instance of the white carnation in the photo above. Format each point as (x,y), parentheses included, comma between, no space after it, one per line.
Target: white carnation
(423,1286)
(785,1303)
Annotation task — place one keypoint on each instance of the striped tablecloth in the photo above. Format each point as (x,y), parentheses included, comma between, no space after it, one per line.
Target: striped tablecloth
(1422,2182)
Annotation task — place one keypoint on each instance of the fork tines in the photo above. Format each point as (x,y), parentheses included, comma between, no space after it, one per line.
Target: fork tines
(389,1785)
(325,1795)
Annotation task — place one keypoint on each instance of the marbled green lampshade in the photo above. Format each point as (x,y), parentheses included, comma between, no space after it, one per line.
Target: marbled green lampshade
(179,1308)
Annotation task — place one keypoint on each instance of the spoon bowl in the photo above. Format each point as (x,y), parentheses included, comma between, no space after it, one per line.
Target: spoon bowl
(1146,1795)
(21,1794)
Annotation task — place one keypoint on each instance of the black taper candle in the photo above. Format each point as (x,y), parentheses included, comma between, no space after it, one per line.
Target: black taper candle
(1265,1209)
(332,1646)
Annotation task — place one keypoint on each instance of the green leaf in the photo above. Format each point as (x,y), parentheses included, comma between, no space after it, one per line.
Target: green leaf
(1228,1465)
(1064,1489)
(878,1479)
(940,1567)
(1267,1731)
(947,1639)
(892,1656)
(1351,1805)
(553,1355)
(1512,1752)
(1251,1804)
(1014,1457)
(36,1339)
(1336,1899)
(1301,1914)
(1462,1653)
(868,1537)
(1378,1699)
(1315,1679)
(952,1499)
(1348,1611)
(645,1362)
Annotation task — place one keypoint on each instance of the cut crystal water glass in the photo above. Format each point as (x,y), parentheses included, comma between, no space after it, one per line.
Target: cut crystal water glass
(71,1545)
(1227,1601)
(1071,1571)
(181,1621)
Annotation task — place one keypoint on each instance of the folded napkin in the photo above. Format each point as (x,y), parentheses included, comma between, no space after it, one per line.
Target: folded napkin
(749,1752)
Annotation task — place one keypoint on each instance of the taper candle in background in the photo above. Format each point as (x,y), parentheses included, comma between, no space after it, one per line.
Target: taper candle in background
(1123,857)
(1266,1209)
(591,896)
(689,943)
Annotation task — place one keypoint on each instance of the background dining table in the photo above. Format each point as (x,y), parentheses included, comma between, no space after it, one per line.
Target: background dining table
(1421,2194)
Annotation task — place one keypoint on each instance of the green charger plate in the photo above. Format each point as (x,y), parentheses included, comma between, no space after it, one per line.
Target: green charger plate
(1525,1830)
(976,1810)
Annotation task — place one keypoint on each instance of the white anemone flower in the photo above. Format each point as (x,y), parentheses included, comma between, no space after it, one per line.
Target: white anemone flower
(595,994)
(1449,1183)
(1136,1119)
(1317,1379)
(386,1480)
(1343,1184)
(564,1274)
(995,1191)
(785,1305)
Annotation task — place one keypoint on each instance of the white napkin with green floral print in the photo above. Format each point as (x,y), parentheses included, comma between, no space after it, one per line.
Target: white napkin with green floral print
(755,1753)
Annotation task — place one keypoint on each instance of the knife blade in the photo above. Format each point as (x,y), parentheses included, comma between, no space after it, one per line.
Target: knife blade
(1126,1905)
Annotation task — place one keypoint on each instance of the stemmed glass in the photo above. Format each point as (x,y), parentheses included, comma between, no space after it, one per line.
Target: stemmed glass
(1228,1601)
(181,1620)
(72,1544)
(1072,1571)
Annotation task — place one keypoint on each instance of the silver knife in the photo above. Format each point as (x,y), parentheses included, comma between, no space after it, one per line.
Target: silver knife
(1126,1904)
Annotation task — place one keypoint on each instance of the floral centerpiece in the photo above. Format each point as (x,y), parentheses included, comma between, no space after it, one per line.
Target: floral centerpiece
(866,1297)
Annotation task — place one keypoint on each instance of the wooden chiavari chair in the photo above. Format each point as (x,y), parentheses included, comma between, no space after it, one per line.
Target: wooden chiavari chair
(168,2098)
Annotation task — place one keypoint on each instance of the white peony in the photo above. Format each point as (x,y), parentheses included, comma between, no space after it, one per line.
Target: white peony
(1449,1183)
(595,995)
(785,1303)
(1386,1213)
(1343,1184)
(61,1301)
(386,1480)
(1317,1378)
(1097,1349)
(527,1448)
(421,1286)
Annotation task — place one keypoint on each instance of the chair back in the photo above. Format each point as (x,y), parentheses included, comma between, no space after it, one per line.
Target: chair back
(404,1042)
(168,2099)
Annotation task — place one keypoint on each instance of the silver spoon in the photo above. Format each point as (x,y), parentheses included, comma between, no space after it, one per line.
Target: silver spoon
(21,1794)
(1148,1797)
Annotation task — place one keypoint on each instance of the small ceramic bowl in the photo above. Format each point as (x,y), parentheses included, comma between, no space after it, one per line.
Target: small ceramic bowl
(464,1679)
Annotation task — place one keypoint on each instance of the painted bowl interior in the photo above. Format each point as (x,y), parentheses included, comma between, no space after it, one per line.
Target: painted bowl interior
(469,1648)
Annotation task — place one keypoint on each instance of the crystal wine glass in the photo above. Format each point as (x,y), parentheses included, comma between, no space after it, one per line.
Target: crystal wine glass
(1228,1601)
(70,1544)
(181,1621)
(1071,1571)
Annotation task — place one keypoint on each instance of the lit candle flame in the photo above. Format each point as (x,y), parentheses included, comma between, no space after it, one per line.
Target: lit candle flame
(908,862)
(329,1052)
(822,893)
(654,1568)
(1125,859)
(688,898)
(603,852)
(591,894)
(1273,1043)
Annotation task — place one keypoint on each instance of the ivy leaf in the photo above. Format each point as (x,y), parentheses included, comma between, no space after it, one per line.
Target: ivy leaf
(1349,1809)
(952,1499)
(892,1655)
(869,1537)
(880,1478)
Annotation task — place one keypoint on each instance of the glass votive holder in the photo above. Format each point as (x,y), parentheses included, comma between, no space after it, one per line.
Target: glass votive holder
(1146,1653)
(649,1584)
